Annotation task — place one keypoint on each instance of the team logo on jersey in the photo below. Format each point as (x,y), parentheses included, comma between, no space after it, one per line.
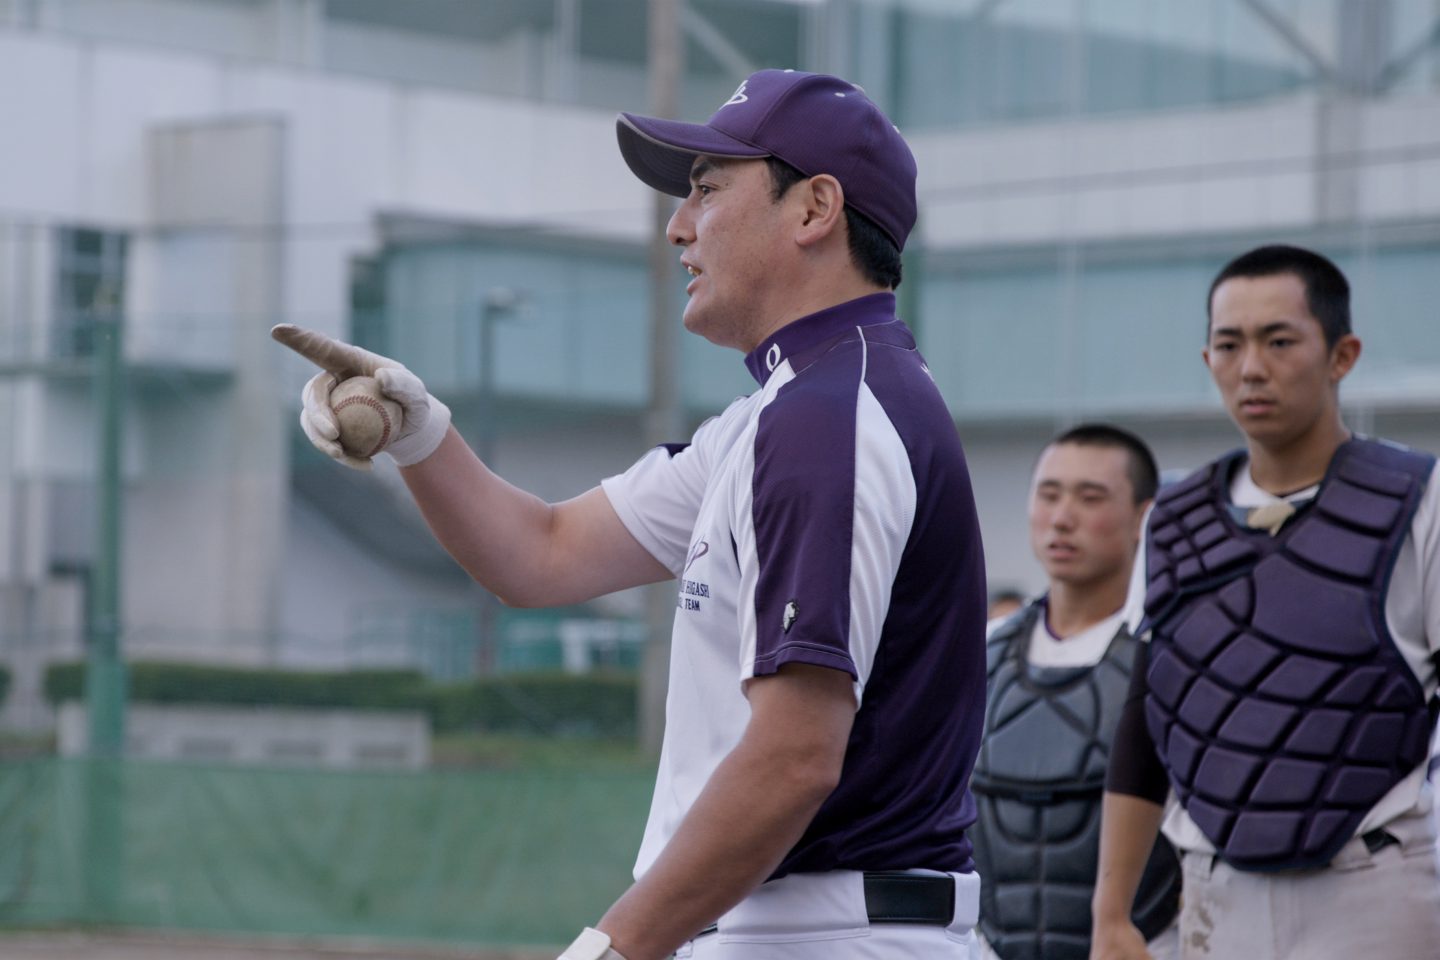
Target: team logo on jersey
(738,96)
(772,357)
(792,612)
(693,592)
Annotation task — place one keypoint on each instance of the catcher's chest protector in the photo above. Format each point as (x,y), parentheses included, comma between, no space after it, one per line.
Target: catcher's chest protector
(1277,699)
(1038,783)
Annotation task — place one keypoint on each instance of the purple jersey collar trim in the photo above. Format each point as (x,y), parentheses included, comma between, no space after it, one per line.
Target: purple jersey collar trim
(817,328)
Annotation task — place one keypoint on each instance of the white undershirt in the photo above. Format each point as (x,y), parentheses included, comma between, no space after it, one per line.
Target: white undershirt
(1083,649)
(1412,612)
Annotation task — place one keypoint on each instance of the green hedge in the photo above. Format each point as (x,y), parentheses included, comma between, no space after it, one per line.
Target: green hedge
(4,682)
(601,704)
(161,682)
(598,704)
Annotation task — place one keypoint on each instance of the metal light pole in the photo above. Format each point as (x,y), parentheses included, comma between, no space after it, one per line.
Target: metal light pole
(663,422)
(498,303)
(105,670)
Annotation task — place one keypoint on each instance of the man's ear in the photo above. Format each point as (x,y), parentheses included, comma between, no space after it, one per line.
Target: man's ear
(1140,510)
(823,211)
(1343,356)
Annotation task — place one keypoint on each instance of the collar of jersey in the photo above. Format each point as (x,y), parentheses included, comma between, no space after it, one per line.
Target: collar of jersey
(802,336)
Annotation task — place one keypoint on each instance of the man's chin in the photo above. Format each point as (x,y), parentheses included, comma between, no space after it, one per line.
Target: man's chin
(694,320)
(1068,572)
(1262,429)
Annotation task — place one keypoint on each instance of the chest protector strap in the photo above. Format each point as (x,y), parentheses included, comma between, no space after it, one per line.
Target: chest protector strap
(1277,698)
(1038,783)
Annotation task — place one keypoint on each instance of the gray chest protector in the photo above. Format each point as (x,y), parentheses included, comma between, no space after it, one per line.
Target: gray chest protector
(1038,783)
(1277,699)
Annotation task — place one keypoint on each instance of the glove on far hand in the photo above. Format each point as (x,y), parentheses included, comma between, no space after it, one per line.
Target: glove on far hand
(424,419)
(592,944)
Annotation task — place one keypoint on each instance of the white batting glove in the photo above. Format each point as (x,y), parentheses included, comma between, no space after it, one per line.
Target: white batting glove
(319,423)
(424,419)
(592,944)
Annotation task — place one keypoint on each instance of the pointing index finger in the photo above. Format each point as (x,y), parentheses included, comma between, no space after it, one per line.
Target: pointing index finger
(341,359)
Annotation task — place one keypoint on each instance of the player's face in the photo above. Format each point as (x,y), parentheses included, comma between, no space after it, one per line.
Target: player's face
(732,230)
(1084,522)
(1267,355)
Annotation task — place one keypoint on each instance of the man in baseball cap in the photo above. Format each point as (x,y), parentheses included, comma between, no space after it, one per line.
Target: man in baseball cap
(827,676)
(827,672)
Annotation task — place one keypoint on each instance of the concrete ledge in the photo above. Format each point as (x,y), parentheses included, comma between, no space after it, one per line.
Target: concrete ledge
(266,736)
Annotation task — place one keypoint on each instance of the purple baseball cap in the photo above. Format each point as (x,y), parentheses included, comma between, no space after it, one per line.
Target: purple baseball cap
(814,122)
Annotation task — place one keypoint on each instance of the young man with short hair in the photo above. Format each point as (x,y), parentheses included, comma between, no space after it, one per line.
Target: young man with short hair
(827,666)
(1059,670)
(1291,596)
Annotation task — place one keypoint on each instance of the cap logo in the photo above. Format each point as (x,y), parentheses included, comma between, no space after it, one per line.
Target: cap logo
(772,357)
(737,97)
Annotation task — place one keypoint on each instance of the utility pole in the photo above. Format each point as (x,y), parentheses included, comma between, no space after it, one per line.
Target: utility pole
(497,304)
(105,669)
(663,422)
(105,675)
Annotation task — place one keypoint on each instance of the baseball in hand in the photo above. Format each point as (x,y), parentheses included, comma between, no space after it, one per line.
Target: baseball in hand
(368,419)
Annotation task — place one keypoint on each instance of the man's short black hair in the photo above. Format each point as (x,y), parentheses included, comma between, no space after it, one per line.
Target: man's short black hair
(874,253)
(1327,293)
(1144,475)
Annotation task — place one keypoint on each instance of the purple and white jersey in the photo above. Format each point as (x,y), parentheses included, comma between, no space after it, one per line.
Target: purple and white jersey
(826,519)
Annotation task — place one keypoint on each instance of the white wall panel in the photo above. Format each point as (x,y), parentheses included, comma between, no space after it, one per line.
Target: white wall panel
(41,160)
(127,92)
(1236,169)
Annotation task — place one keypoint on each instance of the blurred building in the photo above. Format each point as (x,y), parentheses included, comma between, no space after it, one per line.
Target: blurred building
(432,177)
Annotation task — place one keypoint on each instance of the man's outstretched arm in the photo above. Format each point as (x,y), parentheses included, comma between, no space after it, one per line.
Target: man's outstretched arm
(527,552)
(524,550)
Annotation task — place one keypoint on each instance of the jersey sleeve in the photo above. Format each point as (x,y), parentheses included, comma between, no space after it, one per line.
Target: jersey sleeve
(1412,595)
(832,501)
(1135,768)
(1425,536)
(658,498)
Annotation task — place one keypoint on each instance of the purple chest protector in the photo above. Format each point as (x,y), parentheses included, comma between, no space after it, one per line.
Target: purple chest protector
(1277,700)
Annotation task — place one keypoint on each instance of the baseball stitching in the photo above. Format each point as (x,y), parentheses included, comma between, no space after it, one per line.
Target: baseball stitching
(384,419)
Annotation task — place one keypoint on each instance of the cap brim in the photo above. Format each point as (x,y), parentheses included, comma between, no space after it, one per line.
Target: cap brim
(661,152)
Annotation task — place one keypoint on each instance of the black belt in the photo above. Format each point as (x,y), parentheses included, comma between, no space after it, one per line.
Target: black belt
(892,896)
